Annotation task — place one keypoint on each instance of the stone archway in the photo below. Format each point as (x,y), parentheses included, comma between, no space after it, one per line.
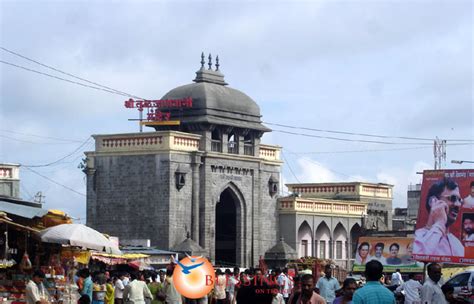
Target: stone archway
(228,229)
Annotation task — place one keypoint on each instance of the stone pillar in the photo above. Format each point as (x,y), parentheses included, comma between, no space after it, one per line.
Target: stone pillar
(240,142)
(195,198)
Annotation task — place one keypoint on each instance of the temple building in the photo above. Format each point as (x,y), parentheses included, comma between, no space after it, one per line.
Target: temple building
(201,173)
(325,220)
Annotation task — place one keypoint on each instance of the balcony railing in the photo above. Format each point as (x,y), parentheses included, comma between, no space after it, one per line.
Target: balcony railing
(216,146)
(248,149)
(325,207)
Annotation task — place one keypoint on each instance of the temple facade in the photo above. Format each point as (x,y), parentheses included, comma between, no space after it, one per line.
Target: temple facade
(202,172)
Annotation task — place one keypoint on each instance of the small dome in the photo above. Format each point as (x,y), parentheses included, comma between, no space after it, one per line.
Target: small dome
(216,97)
(215,103)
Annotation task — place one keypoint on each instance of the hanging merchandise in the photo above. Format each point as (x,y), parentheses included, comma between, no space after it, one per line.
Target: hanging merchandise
(25,263)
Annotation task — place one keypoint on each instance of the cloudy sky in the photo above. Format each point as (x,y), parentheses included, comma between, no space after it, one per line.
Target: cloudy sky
(390,68)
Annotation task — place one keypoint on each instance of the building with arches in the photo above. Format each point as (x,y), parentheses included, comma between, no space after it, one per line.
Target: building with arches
(206,175)
(325,220)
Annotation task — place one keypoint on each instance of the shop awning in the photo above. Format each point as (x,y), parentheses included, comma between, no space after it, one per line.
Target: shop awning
(16,225)
(21,210)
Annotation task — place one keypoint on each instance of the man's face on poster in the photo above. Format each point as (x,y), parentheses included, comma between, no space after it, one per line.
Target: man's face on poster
(394,251)
(378,251)
(468,226)
(472,191)
(453,199)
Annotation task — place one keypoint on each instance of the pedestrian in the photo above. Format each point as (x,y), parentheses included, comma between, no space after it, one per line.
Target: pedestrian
(136,291)
(156,289)
(219,287)
(431,291)
(87,288)
(119,287)
(327,285)
(449,295)
(348,288)
(171,294)
(308,296)
(296,291)
(35,292)
(412,290)
(373,291)
(397,278)
(109,291)
(285,284)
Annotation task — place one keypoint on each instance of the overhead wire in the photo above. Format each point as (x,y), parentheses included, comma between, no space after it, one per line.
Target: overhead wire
(40,136)
(289,167)
(68,74)
(359,134)
(60,159)
(54,182)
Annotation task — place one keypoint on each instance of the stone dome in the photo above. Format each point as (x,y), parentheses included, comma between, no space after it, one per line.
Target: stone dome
(216,103)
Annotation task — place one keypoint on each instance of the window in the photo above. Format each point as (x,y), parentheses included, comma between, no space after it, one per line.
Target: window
(339,250)
(322,249)
(232,144)
(460,280)
(304,247)
(216,141)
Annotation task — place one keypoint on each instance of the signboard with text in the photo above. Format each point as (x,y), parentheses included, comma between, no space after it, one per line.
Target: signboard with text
(445,224)
(155,108)
(393,252)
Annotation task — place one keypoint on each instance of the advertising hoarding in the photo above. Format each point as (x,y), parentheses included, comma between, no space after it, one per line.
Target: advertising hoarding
(445,224)
(393,252)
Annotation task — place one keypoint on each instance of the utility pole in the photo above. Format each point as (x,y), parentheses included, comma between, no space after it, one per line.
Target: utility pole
(439,152)
(39,197)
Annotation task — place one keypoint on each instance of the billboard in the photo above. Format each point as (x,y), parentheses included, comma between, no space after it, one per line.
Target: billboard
(445,224)
(393,252)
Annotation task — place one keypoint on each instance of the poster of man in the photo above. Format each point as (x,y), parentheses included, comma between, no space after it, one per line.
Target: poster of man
(394,253)
(444,226)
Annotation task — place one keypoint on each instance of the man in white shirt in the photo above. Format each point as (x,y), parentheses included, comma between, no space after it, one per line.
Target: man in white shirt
(137,290)
(379,254)
(35,293)
(328,285)
(412,290)
(126,279)
(397,278)
(284,283)
(118,291)
(469,200)
(431,291)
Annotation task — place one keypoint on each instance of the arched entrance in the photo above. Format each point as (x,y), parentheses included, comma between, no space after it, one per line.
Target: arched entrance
(227,219)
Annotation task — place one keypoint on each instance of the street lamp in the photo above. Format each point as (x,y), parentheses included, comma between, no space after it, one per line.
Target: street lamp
(462,161)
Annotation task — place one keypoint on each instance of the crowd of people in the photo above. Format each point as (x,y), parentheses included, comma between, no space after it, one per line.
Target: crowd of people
(255,287)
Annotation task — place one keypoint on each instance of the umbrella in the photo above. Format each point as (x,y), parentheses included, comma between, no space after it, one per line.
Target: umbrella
(79,235)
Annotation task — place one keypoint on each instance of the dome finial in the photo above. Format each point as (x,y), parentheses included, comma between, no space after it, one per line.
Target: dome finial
(202,61)
(210,61)
(217,63)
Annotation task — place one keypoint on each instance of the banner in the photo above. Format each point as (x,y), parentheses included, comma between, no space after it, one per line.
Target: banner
(445,224)
(393,252)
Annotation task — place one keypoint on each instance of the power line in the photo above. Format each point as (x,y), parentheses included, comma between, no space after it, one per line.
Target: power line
(289,167)
(68,74)
(55,182)
(63,79)
(33,142)
(376,150)
(40,136)
(359,134)
(57,161)
(349,140)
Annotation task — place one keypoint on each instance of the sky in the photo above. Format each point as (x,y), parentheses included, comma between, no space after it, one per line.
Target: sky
(390,68)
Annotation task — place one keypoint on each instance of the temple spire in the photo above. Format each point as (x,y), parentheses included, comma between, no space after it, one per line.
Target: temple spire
(210,61)
(217,63)
(202,61)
